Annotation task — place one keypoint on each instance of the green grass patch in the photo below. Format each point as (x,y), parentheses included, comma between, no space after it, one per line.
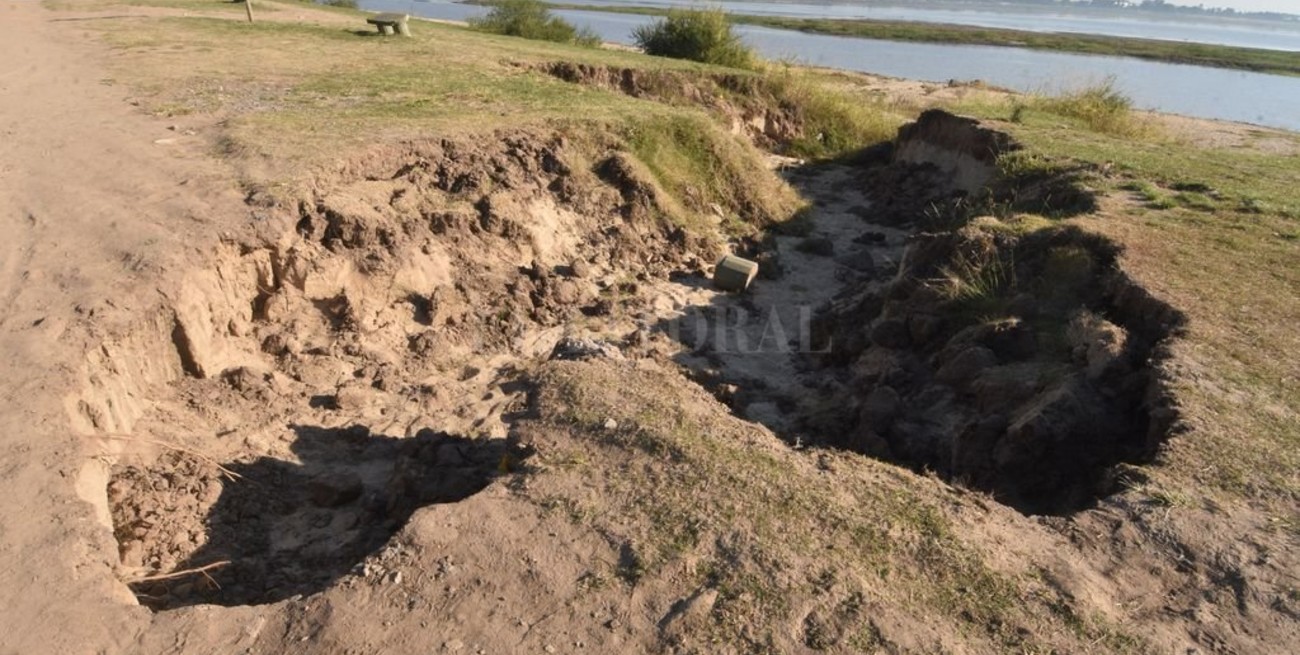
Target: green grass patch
(833,123)
(318,89)
(694,160)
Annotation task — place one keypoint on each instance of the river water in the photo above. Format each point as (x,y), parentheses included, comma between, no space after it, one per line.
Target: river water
(1271,100)
(1236,32)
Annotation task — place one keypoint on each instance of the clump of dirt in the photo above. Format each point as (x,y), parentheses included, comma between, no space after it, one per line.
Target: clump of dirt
(944,170)
(962,151)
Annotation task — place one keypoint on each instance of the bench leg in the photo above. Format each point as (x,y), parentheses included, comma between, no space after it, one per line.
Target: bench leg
(386,30)
(403,29)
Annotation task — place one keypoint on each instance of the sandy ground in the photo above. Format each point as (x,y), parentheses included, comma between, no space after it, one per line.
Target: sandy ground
(103,205)
(92,210)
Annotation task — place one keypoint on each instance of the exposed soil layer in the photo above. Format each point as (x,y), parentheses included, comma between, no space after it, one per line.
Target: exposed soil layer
(374,360)
(369,362)
(944,170)
(961,152)
(742,101)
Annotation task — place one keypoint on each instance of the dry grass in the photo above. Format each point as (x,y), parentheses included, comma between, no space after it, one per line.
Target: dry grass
(1240,386)
(296,91)
(774,530)
(1101,107)
(835,123)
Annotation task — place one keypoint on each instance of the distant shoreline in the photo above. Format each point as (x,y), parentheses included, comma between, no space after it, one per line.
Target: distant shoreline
(1257,60)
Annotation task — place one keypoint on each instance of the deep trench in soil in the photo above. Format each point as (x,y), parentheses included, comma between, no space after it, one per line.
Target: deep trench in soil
(1032,392)
(375,362)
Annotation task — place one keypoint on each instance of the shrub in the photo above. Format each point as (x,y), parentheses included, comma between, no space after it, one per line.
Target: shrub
(531,19)
(1101,107)
(702,35)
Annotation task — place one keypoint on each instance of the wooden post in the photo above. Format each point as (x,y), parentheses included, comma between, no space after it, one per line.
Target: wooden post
(248,6)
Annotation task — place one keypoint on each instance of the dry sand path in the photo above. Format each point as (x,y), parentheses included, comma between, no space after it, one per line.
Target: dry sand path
(93,211)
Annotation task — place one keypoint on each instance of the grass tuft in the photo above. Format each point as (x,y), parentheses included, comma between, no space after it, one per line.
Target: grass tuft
(976,281)
(1101,107)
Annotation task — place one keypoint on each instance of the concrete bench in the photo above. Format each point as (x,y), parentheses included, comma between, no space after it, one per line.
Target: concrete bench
(389,24)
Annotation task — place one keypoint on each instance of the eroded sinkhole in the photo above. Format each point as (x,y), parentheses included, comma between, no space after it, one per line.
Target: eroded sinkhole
(1009,356)
(268,529)
(1025,366)
(1033,386)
